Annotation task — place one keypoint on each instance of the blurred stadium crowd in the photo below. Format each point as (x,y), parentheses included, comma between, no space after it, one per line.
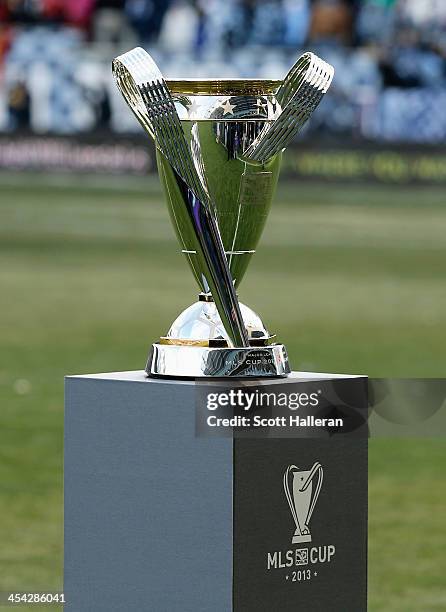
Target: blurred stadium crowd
(389,55)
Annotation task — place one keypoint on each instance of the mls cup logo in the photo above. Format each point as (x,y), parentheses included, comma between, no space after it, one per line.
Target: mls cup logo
(302,495)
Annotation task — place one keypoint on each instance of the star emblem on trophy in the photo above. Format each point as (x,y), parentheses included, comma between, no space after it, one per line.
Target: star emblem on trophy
(219,145)
(228,108)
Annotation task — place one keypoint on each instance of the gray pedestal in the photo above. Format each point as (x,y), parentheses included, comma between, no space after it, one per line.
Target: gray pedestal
(158,519)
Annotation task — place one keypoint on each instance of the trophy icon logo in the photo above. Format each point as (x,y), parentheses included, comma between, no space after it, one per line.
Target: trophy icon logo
(302,495)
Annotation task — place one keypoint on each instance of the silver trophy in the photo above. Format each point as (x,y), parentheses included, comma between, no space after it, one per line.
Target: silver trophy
(302,496)
(219,145)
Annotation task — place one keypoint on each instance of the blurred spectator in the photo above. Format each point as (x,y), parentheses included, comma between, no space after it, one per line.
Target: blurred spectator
(179,28)
(71,12)
(424,13)
(19,106)
(296,15)
(376,20)
(224,26)
(110,25)
(21,11)
(267,23)
(146,17)
(331,22)
(5,41)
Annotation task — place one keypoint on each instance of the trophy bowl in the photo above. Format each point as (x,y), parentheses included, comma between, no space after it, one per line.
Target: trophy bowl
(219,146)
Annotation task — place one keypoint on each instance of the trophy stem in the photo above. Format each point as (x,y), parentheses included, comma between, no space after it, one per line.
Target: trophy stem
(209,247)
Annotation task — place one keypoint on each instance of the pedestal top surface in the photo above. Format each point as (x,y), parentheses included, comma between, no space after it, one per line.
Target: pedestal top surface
(140,376)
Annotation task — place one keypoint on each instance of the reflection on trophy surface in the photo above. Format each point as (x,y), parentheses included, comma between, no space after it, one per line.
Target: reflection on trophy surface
(219,145)
(302,496)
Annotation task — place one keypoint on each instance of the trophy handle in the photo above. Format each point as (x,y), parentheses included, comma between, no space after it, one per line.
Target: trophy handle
(298,96)
(286,486)
(317,467)
(142,86)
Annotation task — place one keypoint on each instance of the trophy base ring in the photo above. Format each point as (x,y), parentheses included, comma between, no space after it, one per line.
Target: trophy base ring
(301,539)
(176,361)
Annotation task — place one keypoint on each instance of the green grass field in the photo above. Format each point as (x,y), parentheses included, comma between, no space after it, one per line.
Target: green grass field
(351,278)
